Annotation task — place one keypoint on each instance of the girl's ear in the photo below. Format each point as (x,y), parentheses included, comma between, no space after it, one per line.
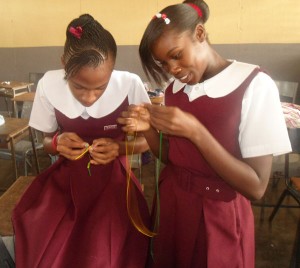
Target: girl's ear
(200,33)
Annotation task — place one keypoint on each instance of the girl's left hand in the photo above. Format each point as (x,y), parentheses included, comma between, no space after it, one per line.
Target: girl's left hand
(103,151)
(172,120)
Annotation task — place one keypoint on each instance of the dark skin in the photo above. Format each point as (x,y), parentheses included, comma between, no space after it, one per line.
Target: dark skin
(191,59)
(87,86)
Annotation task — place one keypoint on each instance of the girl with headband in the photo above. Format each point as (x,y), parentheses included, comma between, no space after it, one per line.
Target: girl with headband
(74,214)
(221,124)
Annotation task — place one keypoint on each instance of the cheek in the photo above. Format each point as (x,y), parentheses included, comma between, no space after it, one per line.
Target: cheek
(76,93)
(98,93)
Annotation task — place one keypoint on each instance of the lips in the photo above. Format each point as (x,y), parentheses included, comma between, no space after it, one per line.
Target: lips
(184,79)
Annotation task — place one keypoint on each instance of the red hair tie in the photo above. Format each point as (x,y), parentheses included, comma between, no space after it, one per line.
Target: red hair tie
(54,141)
(77,32)
(199,11)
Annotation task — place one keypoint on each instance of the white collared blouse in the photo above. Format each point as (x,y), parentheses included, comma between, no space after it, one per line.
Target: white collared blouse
(262,127)
(53,92)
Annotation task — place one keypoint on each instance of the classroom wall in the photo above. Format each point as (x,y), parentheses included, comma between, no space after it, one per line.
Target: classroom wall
(34,23)
(261,32)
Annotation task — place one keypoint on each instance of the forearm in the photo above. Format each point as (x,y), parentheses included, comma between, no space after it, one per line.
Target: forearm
(49,146)
(249,177)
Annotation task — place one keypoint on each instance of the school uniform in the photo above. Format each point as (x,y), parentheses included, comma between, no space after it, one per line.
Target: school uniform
(204,222)
(68,217)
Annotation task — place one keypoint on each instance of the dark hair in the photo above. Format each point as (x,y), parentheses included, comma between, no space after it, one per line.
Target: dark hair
(92,47)
(183,17)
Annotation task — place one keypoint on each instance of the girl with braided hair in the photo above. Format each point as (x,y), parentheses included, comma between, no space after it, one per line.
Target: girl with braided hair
(74,214)
(221,124)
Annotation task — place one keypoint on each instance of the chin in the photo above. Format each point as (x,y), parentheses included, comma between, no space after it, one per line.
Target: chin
(87,104)
(191,83)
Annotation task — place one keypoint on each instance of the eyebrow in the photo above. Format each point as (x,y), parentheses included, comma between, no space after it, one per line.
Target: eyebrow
(168,54)
(98,87)
(170,51)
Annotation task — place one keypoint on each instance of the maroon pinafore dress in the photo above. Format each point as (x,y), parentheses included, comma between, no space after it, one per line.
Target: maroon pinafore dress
(203,221)
(67,218)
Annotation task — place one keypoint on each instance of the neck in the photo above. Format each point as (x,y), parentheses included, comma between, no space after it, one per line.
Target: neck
(217,64)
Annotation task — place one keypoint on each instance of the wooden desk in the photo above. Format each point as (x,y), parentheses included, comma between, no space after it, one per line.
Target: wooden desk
(11,89)
(9,200)
(27,96)
(13,130)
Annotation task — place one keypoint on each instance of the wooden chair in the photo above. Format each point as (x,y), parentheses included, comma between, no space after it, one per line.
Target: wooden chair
(34,78)
(287,90)
(11,132)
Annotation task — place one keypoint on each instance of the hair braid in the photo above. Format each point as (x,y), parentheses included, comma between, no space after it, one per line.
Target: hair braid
(91,48)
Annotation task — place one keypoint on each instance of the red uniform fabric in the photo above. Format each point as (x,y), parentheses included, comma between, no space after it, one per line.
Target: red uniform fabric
(203,221)
(67,218)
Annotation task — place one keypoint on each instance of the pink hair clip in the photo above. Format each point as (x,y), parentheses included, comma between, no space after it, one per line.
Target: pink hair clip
(77,32)
(163,16)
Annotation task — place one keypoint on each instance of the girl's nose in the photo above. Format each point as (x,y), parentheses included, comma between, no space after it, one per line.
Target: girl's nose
(88,98)
(174,69)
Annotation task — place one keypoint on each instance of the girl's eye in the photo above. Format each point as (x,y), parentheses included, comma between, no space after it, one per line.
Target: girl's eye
(78,87)
(177,56)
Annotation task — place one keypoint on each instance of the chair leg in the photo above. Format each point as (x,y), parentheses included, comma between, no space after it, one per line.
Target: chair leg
(295,259)
(281,198)
(25,167)
(296,197)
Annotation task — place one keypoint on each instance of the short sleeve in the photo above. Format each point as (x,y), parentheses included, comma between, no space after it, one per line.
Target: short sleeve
(138,94)
(42,116)
(262,129)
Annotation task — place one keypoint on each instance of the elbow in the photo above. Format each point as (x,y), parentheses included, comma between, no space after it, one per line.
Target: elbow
(256,195)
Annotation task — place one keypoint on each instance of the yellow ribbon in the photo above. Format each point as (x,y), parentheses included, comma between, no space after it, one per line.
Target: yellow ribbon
(132,205)
(82,154)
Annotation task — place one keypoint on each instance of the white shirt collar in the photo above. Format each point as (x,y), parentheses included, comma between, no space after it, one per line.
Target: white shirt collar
(219,85)
(61,97)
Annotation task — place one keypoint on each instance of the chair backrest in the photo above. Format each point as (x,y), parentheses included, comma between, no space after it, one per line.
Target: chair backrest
(34,78)
(294,135)
(287,90)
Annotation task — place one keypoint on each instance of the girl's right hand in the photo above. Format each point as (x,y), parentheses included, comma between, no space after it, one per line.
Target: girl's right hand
(70,145)
(135,119)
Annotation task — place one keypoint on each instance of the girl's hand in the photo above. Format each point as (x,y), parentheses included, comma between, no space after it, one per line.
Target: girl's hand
(136,118)
(173,121)
(103,151)
(70,145)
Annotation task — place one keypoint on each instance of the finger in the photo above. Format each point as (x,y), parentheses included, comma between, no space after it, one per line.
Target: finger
(124,121)
(131,113)
(101,158)
(71,140)
(73,136)
(102,143)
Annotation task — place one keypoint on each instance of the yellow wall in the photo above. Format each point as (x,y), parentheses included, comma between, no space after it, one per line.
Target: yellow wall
(34,23)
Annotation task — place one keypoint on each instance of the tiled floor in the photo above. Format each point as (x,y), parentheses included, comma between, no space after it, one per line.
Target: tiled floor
(274,243)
